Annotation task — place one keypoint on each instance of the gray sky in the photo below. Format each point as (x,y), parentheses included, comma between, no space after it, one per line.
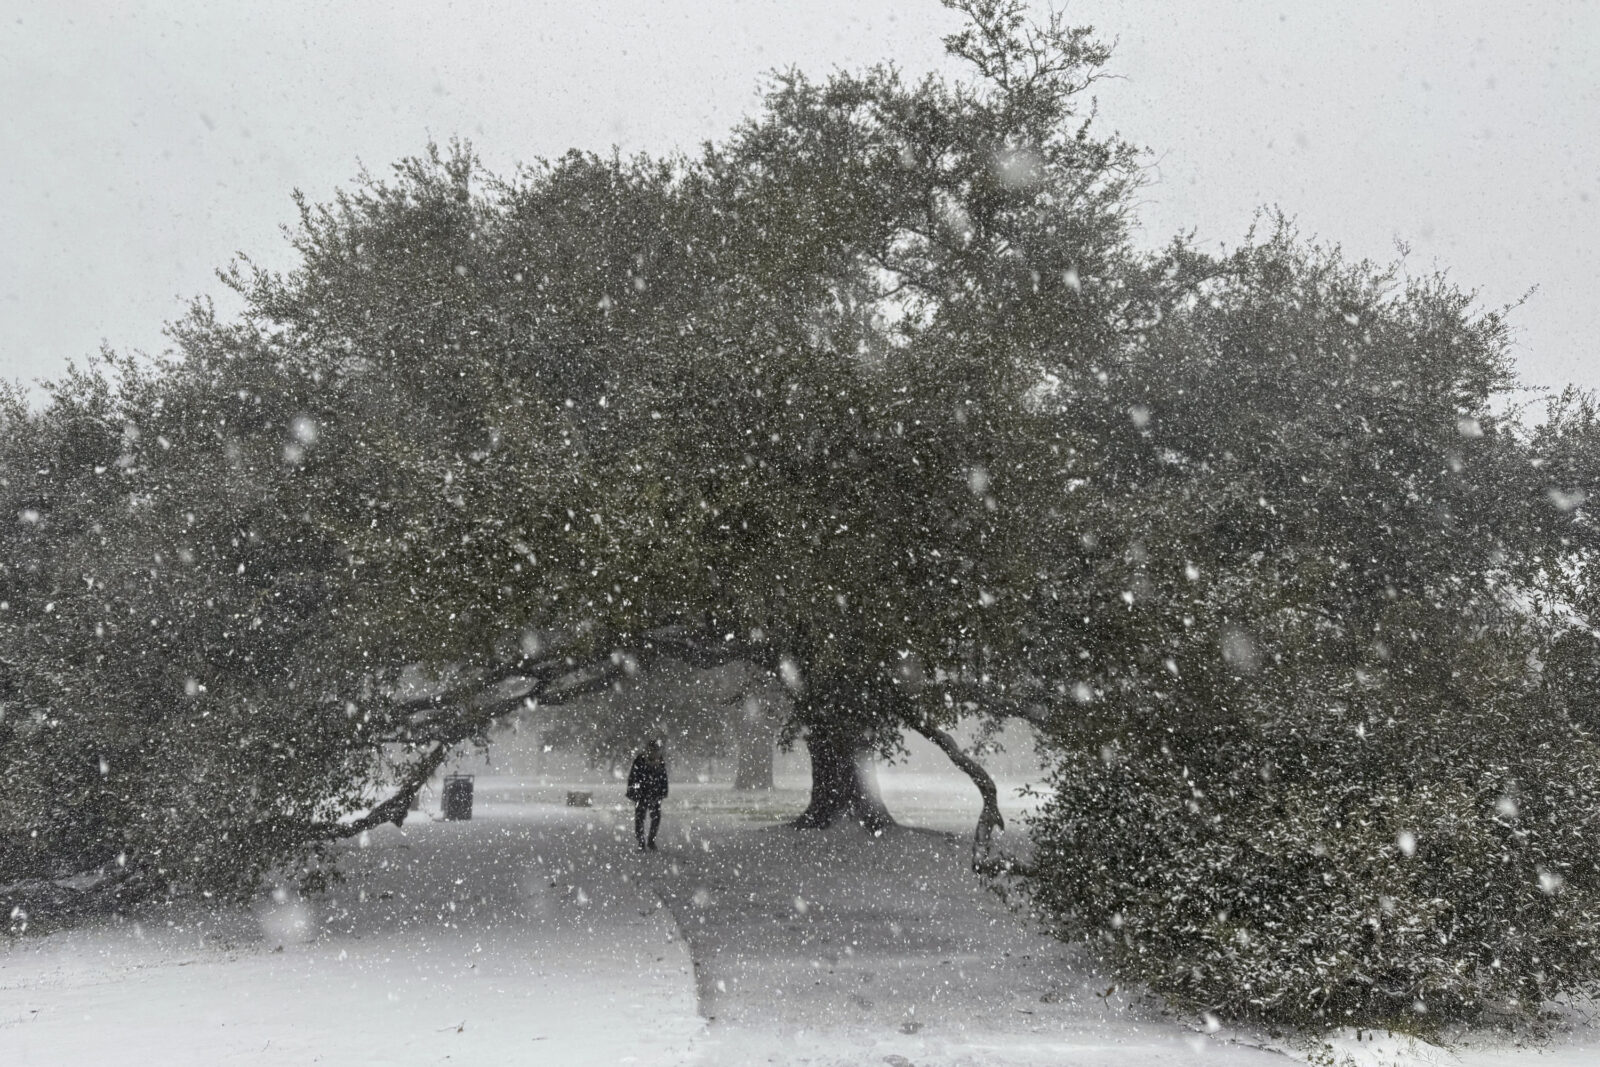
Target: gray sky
(145,143)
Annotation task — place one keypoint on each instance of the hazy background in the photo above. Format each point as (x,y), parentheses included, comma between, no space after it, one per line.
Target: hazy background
(142,144)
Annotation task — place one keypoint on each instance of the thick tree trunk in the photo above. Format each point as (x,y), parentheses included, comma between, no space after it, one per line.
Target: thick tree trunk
(844,786)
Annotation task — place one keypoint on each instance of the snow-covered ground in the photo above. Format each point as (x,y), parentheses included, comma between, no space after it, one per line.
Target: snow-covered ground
(536,933)
(837,948)
(518,937)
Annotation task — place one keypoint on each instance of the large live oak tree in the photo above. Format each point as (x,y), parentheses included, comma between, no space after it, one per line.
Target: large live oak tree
(746,405)
(872,394)
(548,427)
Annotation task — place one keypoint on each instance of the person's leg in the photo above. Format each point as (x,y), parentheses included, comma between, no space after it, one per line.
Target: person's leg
(655,824)
(638,821)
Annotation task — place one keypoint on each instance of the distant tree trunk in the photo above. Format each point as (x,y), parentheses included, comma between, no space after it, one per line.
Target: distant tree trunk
(756,734)
(754,769)
(844,785)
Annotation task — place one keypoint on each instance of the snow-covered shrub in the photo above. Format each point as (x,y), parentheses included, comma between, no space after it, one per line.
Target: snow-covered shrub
(1309,656)
(1326,851)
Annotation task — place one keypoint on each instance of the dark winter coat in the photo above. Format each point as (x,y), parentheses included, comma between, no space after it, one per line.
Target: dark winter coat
(647,780)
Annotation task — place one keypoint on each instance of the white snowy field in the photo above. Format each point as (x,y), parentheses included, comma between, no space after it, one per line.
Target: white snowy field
(518,937)
(536,933)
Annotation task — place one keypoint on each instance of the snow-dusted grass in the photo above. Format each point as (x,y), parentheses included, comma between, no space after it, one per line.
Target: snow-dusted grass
(534,934)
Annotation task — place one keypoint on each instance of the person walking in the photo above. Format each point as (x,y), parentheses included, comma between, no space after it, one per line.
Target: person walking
(647,788)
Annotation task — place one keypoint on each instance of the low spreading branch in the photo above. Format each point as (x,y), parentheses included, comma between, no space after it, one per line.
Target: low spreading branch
(394,809)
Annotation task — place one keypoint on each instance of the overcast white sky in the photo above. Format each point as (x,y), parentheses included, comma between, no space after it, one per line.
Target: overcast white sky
(142,144)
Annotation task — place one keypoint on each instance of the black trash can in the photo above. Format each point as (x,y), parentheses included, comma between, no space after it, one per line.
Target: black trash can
(456,801)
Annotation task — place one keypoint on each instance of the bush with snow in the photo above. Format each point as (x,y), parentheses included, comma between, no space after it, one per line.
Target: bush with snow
(1320,748)
(1328,852)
